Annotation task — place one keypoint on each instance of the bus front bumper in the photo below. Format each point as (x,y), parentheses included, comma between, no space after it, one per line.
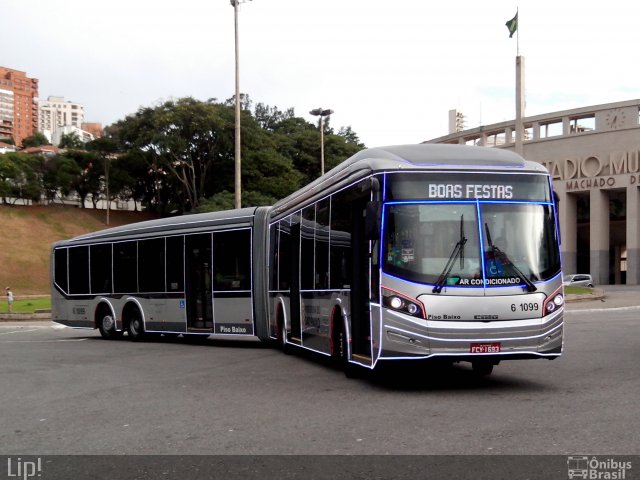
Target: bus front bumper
(404,337)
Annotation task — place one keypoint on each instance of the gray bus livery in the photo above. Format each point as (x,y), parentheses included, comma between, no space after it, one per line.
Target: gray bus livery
(399,253)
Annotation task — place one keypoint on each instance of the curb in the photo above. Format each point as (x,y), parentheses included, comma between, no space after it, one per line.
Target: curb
(13,317)
(596,294)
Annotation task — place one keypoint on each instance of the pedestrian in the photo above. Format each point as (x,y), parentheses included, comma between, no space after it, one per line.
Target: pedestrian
(9,299)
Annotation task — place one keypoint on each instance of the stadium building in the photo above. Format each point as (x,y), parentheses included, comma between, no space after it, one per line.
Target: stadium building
(593,155)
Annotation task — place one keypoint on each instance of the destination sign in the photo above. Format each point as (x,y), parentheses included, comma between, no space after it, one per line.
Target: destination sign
(451,190)
(467,186)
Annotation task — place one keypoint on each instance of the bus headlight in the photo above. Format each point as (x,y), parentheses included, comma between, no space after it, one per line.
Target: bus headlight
(412,308)
(402,303)
(395,302)
(554,301)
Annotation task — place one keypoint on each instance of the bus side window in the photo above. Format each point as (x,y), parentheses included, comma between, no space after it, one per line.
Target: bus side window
(322,245)
(79,270)
(231,264)
(175,264)
(340,243)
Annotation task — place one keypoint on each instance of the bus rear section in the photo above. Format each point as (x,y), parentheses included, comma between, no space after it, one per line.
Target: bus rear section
(470,268)
(196,275)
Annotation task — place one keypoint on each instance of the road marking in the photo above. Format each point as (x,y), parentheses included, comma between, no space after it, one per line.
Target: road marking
(591,310)
(33,328)
(19,331)
(44,341)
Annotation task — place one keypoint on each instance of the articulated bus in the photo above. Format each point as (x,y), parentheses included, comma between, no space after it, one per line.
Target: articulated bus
(399,253)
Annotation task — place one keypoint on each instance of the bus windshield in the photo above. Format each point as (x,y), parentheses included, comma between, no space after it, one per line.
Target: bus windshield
(469,244)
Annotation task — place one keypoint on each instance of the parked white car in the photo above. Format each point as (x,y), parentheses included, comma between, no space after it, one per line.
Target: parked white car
(578,280)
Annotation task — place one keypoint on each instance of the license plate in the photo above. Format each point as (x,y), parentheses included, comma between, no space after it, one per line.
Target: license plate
(484,348)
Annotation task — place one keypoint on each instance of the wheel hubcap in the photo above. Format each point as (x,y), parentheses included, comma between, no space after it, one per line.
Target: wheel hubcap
(107,323)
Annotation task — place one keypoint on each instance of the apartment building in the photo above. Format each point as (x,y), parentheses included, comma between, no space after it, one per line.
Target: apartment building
(94,128)
(56,113)
(18,106)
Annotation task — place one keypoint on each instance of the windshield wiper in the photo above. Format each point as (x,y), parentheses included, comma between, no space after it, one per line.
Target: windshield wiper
(499,253)
(458,251)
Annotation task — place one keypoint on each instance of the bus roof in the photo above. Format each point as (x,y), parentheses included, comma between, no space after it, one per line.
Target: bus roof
(423,156)
(432,155)
(170,225)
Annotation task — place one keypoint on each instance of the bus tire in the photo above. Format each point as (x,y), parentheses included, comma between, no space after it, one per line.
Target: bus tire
(342,350)
(282,331)
(135,326)
(482,369)
(282,337)
(107,325)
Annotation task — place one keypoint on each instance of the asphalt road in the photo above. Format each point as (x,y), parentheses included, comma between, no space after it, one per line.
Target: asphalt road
(70,392)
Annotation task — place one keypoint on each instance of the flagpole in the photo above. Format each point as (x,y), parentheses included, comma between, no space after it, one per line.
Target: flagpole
(518,34)
(520,99)
(519,104)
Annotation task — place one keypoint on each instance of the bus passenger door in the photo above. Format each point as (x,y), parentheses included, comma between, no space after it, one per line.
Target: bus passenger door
(232,282)
(360,284)
(198,282)
(295,305)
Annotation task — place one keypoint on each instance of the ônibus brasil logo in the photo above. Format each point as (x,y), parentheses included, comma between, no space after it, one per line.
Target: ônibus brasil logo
(597,468)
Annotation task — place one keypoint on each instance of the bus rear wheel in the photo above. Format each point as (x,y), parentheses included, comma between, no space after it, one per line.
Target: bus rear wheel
(135,327)
(107,326)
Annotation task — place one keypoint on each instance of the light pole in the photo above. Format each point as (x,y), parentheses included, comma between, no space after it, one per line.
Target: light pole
(106,178)
(319,112)
(238,170)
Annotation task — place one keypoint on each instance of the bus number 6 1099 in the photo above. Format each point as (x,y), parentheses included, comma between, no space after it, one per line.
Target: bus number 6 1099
(525,307)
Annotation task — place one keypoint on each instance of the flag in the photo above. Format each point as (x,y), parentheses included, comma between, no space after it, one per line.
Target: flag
(512,25)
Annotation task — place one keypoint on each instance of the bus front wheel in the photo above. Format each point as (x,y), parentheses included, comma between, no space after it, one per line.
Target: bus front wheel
(482,369)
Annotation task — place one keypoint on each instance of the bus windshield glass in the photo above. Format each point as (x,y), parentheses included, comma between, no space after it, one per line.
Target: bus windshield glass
(471,244)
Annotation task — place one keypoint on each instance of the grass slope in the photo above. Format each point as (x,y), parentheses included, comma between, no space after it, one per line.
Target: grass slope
(26,235)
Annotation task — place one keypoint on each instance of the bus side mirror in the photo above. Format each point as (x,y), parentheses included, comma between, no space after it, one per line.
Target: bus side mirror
(372,220)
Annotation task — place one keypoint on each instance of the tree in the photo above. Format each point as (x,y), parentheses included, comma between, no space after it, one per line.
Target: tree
(36,140)
(269,118)
(180,154)
(350,136)
(184,138)
(9,170)
(70,140)
(20,176)
(183,153)
(337,148)
(58,177)
(140,182)
(245,102)
(106,150)
(89,179)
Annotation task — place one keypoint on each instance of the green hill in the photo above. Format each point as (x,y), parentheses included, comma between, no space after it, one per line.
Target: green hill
(27,233)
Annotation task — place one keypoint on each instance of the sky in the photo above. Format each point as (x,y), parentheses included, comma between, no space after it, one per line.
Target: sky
(391,70)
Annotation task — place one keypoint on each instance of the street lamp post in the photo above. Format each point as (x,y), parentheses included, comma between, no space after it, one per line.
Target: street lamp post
(106,178)
(319,112)
(238,169)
